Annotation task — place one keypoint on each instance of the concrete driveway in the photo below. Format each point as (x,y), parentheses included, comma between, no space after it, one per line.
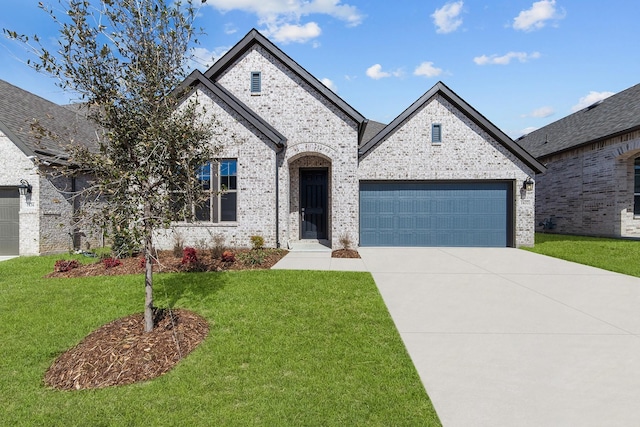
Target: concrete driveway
(505,337)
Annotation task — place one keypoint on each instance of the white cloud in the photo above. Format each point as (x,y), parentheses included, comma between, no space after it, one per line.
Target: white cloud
(230,29)
(528,130)
(541,112)
(536,17)
(590,99)
(376,73)
(428,70)
(282,17)
(296,33)
(505,59)
(330,84)
(447,18)
(203,58)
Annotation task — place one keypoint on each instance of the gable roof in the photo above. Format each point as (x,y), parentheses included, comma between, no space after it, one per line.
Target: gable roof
(254,37)
(618,114)
(442,90)
(196,77)
(20,110)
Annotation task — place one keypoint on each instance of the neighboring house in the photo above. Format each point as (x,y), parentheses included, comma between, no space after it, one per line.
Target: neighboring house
(592,183)
(32,131)
(297,162)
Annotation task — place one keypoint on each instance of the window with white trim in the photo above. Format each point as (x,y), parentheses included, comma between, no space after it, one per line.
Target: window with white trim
(436,133)
(219,182)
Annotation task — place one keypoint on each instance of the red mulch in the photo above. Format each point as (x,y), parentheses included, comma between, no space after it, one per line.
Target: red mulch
(121,352)
(168,263)
(345,253)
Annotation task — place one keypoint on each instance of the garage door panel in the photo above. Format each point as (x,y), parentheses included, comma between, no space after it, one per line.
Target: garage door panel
(435,214)
(9,221)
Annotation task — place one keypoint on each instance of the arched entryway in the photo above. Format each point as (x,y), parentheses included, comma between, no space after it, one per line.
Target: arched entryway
(310,200)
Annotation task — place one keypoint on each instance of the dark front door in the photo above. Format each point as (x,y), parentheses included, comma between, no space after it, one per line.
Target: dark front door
(313,204)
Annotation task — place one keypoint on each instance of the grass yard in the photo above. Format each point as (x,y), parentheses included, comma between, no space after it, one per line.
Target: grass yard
(619,255)
(285,349)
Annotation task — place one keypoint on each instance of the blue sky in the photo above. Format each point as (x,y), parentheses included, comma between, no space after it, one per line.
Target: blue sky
(521,63)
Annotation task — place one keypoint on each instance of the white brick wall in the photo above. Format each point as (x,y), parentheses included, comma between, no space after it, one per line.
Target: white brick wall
(256,157)
(466,153)
(14,166)
(313,127)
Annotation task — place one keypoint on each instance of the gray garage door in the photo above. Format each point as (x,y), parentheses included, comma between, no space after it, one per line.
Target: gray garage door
(436,214)
(9,221)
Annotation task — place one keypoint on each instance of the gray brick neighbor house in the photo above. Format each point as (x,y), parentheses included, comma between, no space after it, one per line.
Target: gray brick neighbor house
(297,162)
(592,184)
(43,219)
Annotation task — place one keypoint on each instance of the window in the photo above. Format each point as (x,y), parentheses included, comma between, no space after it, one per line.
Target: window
(256,82)
(219,181)
(436,133)
(636,188)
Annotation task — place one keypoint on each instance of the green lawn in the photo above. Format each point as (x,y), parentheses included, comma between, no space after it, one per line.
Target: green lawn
(619,255)
(285,349)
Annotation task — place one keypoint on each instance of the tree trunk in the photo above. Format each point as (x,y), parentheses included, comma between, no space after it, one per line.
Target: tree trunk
(148,276)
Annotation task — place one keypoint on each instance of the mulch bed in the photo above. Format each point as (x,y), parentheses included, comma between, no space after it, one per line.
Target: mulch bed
(345,253)
(120,352)
(167,262)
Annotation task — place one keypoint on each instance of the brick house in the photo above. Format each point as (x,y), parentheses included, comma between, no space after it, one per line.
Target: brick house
(297,162)
(42,220)
(592,182)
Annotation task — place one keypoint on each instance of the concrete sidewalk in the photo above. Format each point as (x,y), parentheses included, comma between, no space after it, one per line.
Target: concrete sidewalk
(318,260)
(505,337)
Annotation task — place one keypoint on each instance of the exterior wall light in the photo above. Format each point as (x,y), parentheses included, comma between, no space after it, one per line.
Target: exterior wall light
(24,188)
(527,184)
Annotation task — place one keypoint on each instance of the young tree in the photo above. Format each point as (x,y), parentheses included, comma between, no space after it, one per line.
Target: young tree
(125,59)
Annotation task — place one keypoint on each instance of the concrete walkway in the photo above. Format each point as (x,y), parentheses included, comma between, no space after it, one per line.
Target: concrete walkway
(318,260)
(505,337)
(5,258)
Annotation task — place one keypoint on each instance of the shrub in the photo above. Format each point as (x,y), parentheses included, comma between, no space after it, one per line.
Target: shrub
(218,245)
(111,262)
(345,241)
(124,245)
(189,256)
(178,244)
(228,256)
(252,258)
(63,265)
(257,242)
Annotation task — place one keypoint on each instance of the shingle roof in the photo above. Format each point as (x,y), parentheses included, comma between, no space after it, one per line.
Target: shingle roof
(615,115)
(444,91)
(20,110)
(371,129)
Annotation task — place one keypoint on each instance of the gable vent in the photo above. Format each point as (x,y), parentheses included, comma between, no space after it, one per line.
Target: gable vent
(256,82)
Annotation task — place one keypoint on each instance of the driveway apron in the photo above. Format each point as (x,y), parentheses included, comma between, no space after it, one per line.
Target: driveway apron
(506,337)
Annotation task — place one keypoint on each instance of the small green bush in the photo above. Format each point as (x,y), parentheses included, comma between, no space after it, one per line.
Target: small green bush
(252,258)
(257,242)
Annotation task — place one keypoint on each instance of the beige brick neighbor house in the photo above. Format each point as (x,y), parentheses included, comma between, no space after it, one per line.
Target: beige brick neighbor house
(296,162)
(592,184)
(299,163)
